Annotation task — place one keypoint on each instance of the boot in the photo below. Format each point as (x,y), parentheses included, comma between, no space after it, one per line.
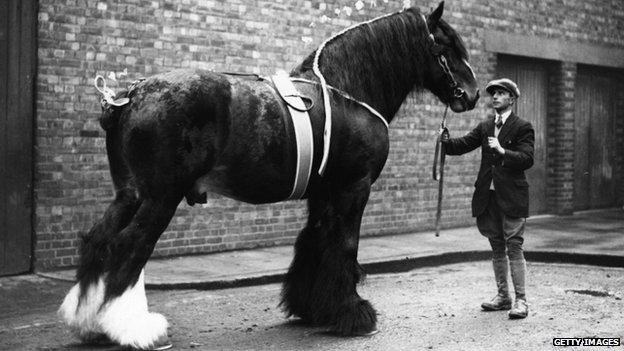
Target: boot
(501,301)
(518,272)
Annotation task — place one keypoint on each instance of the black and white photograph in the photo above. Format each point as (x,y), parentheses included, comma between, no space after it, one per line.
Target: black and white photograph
(311,175)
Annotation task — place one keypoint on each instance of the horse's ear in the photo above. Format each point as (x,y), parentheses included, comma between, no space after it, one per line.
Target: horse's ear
(434,17)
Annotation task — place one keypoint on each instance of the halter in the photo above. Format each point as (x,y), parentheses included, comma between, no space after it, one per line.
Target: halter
(458,92)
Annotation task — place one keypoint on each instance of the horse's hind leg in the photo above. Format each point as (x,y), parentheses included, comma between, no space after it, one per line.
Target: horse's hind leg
(320,285)
(85,298)
(109,299)
(115,303)
(124,316)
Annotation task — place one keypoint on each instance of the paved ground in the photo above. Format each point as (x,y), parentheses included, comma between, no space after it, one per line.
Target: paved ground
(430,308)
(595,237)
(433,304)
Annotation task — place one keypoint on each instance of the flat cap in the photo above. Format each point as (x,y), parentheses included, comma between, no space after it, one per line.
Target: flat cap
(504,83)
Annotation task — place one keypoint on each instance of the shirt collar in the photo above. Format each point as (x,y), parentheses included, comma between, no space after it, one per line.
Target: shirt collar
(504,115)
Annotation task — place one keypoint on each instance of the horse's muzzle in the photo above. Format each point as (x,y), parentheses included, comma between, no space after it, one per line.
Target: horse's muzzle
(462,102)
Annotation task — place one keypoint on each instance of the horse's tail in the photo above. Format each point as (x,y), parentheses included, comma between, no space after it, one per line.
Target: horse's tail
(93,245)
(111,113)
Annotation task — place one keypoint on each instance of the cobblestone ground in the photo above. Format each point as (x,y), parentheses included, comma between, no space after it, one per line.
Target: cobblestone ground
(426,309)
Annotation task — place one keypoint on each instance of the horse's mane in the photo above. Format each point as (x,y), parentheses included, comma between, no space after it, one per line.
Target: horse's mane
(388,53)
(386,57)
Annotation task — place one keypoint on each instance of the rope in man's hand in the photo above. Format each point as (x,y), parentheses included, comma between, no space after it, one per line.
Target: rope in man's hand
(438,174)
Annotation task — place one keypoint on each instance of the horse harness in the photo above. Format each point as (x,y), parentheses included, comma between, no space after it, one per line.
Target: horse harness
(303,132)
(298,111)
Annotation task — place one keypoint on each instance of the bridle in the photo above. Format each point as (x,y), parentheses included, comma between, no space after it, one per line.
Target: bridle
(443,134)
(437,52)
(458,92)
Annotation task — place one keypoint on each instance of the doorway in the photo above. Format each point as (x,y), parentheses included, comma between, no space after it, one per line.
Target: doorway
(18,57)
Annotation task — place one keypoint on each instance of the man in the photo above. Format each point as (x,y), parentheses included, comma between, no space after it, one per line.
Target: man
(501,198)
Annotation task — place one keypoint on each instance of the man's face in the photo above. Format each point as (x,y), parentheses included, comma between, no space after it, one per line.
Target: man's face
(502,99)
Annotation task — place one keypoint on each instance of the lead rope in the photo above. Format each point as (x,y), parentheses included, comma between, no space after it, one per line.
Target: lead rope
(440,153)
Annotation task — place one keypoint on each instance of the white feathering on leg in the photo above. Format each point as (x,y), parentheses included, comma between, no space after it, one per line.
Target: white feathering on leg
(126,320)
(82,318)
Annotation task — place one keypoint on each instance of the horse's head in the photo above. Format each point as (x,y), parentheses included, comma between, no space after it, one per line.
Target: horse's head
(450,78)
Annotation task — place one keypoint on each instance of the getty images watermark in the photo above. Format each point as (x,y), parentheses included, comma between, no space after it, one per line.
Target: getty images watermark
(586,341)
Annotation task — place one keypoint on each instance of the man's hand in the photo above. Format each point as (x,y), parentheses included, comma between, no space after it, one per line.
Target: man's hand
(494,144)
(444,135)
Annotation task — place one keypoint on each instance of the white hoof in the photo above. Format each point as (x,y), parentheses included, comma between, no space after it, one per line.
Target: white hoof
(124,320)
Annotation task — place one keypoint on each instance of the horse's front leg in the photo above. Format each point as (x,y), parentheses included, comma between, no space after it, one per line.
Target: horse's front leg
(320,286)
(114,304)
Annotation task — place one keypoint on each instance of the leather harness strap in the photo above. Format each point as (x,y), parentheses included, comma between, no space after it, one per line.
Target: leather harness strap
(440,155)
(303,132)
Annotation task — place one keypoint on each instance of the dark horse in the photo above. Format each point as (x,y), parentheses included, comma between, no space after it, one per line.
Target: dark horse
(188,132)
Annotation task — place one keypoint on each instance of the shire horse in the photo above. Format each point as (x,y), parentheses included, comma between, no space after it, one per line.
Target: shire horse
(187,132)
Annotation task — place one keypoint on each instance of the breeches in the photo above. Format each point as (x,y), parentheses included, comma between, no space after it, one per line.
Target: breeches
(506,234)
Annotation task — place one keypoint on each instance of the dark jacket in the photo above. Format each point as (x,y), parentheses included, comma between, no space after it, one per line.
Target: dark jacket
(517,137)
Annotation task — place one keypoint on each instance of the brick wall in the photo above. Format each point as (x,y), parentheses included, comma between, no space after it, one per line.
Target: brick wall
(81,38)
(619,140)
(560,138)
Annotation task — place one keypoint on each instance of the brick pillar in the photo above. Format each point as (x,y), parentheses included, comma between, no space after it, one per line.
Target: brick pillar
(560,134)
(619,140)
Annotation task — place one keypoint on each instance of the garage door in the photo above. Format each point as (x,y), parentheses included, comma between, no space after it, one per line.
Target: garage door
(594,161)
(17,74)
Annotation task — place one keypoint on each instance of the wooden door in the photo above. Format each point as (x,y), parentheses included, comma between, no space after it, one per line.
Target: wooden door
(531,76)
(17,74)
(594,179)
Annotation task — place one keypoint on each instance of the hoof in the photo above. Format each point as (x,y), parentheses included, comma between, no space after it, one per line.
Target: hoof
(370,333)
(96,339)
(356,318)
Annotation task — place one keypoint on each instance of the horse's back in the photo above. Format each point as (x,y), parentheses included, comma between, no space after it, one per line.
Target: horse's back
(230,131)
(232,135)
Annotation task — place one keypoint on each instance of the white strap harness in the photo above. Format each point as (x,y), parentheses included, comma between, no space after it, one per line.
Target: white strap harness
(317,71)
(303,132)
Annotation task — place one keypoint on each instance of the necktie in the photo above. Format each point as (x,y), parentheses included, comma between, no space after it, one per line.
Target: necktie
(499,121)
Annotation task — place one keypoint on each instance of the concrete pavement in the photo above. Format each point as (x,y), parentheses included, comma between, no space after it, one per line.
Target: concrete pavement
(592,237)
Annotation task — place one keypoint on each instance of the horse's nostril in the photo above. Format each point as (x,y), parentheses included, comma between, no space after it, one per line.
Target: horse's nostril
(477,95)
